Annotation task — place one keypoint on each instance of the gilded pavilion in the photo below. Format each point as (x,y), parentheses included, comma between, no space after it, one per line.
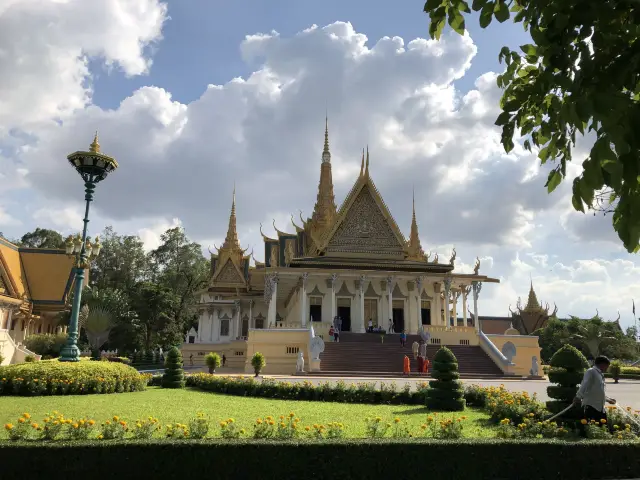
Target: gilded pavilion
(351,262)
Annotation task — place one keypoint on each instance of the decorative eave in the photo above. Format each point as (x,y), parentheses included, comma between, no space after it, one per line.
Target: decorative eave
(265,238)
(280,233)
(382,264)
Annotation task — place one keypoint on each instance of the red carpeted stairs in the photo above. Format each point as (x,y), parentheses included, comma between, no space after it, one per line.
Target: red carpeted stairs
(363,354)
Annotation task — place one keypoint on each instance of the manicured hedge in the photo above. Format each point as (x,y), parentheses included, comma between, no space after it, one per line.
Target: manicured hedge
(382,459)
(327,392)
(51,377)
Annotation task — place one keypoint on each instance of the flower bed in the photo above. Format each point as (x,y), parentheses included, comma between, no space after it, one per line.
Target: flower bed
(328,392)
(335,459)
(55,426)
(52,377)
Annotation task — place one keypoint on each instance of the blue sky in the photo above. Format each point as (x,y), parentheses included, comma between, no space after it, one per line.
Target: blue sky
(202,38)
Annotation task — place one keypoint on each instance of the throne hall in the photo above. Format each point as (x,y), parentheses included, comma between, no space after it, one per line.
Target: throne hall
(351,262)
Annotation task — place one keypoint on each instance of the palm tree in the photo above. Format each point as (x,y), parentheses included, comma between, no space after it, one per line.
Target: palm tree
(591,334)
(97,323)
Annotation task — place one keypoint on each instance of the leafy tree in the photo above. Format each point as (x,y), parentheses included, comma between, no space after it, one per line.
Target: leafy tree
(154,306)
(174,373)
(579,75)
(42,238)
(258,362)
(178,264)
(445,392)
(212,360)
(122,262)
(552,337)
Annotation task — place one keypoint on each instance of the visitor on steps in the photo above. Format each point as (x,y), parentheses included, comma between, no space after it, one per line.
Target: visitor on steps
(420,363)
(391,326)
(414,349)
(406,365)
(403,338)
(425,365)
(336,335)
(592,393)
(422,350)
(370,326)
(224,360)
(332,332)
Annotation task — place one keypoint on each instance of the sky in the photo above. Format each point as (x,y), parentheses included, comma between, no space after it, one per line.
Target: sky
(192,96)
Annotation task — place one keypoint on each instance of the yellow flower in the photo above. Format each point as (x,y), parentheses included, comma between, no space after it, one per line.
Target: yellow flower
(282,425)
(92,422)
(223,424)
(423,426)
(8,426)
(100,437)
(139,425)
(603,421)
(307,428)
(75,425)
(271,423)
(26,415)
(116,418)
(230,420)
(396,420)
(291,414)
(583,421)
(242,431)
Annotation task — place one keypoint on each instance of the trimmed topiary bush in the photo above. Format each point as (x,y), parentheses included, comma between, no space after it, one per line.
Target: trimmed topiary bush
(446,392)
(51,377)
(148,357)
(258,362)
(567,369)
(174,374)
(212,360)
(615,369)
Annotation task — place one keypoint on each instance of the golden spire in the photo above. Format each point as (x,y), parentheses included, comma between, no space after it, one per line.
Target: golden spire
(362,164)
(325,210)
(366,167)
(326,155)
(95,146)
(415,248)
(231,241)
(532,301)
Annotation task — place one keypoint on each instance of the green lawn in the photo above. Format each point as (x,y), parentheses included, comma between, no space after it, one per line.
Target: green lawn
(171,406)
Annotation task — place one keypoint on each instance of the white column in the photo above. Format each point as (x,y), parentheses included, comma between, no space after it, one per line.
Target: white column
(454,295)
(212,322)
(435,310)
(419,303)
(477,286)
(215,325)
(334,308)
(390,285)
(238,322)
(447,296)
(273,299)
(303,299)
(199,336)
(252,323)
(361,327)
(465,294)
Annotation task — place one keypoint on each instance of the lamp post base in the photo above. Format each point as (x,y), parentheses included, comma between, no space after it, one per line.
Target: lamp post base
(69,353)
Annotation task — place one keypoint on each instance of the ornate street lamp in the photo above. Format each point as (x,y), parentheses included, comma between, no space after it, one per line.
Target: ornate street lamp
(93,167)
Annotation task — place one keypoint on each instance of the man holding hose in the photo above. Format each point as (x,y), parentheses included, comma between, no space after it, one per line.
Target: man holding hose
(592,393)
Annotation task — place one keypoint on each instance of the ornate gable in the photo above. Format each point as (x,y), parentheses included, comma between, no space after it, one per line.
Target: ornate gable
(228,274)
(365,226)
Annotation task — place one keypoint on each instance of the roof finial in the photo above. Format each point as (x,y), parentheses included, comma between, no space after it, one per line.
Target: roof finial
(362,164)
(326,155)
(95,146)
(231,241)
(366,168)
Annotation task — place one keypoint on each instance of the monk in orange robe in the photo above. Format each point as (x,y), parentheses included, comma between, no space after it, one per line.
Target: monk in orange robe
(407,365)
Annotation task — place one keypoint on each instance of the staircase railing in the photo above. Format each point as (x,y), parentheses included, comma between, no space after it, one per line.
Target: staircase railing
(19,352)
(495,354)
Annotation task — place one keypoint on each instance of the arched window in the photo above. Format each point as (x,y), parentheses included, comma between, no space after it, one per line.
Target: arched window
(224,327)
(259,321)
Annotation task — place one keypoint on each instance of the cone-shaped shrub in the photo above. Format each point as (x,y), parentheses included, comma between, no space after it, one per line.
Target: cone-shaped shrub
(148,357)
(567,369)
(446,392)
(174,374)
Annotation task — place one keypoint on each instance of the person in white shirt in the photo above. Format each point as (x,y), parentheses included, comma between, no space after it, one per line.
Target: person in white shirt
(592,392)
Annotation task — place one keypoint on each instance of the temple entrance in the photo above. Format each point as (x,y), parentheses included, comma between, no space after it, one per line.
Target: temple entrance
(344,312)
(315,309)
(425,312)
(371,312)
(398,316)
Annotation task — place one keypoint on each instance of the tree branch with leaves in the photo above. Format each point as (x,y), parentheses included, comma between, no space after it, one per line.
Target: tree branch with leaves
(580,75)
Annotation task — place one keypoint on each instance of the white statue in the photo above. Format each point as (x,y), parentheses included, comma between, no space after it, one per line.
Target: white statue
(300,363)
(534,366)
(316,346)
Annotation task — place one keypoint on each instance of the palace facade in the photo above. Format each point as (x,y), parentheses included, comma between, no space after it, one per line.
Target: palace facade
(351,262)
(34,288)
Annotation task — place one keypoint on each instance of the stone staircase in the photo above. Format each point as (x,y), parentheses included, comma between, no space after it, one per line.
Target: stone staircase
(364,355)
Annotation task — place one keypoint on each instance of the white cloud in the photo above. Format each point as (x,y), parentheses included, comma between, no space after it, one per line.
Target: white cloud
(178,162)
(45,47)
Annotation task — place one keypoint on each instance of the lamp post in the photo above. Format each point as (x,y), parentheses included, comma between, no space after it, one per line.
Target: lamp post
(93,167)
